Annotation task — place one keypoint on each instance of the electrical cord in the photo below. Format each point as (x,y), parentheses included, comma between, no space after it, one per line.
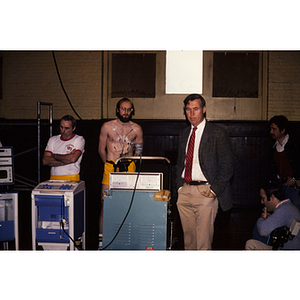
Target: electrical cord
(63,228)
(63,87)
(129,208)
(62,225)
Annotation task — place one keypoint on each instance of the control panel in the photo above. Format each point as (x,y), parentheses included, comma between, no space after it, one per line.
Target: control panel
(59,186)
(142,181)
(6,166)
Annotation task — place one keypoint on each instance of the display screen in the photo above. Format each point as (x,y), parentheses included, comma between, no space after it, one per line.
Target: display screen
(3,174)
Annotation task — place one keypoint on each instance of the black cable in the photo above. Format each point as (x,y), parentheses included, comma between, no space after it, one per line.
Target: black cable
(63,87)
(63,228)
(137,177)
(62,213)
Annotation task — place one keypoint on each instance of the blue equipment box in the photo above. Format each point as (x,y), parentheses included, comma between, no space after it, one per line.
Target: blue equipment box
(145,227)
(9,230)
(51,209)
(58,210)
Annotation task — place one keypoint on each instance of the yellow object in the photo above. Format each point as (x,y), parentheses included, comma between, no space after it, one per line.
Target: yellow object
(75,177)
(109,168)
(163,195)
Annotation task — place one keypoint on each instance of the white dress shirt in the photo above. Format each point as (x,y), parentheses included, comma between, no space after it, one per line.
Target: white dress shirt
(197,174)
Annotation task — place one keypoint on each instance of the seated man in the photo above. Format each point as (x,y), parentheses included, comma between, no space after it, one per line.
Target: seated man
(278,212)
(63,152)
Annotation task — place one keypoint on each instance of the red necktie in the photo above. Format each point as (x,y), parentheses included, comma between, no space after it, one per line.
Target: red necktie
(189,158)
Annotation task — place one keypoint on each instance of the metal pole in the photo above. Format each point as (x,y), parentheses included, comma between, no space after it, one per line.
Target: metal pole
(39,140)
(50,117)
(39,131)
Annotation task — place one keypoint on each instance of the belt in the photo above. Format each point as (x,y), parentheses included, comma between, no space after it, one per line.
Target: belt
(198,182)
(75,177)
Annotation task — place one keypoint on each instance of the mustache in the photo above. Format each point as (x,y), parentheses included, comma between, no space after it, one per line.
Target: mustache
(125,117)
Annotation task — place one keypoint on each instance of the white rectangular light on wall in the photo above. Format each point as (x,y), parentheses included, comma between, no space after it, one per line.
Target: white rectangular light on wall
(184,72)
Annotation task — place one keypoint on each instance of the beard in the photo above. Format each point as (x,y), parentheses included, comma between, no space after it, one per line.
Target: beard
(124,119)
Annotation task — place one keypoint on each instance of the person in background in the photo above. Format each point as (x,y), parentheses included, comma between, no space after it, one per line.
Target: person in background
(203,174)
(63,152)
(284,165)
(278,212)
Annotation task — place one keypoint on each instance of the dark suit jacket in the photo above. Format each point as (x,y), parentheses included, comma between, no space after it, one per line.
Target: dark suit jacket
(216,161)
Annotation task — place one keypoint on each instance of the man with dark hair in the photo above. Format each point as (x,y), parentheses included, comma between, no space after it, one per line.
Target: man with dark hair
(285,158)
(278,212)
(203,172)
(281,122)
(118,106)
(118,138)
(64,152)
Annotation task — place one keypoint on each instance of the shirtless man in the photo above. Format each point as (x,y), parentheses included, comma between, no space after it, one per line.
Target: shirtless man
(118,138)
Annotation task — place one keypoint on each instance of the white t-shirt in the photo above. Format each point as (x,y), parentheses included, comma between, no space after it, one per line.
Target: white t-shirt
(58,146)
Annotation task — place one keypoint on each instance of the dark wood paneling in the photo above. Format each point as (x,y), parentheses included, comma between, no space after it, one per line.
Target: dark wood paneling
(250,143)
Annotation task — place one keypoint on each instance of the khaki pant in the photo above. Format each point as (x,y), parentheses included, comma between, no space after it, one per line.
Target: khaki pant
(197,215)
(256,245)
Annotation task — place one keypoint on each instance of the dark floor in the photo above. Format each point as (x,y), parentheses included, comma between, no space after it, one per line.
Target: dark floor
(232,228)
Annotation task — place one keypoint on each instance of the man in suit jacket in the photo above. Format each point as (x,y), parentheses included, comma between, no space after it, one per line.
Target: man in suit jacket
(212,169)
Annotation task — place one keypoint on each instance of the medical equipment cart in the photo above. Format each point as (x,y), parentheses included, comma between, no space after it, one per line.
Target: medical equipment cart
(58,215)
(135,212)
(9,225)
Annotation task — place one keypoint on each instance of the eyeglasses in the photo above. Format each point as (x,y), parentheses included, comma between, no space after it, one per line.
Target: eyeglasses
(126,109)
